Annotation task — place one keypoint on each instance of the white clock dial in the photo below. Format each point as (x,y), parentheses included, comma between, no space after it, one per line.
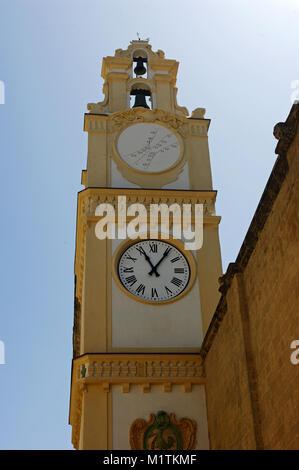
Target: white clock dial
(149,147)
(153,270)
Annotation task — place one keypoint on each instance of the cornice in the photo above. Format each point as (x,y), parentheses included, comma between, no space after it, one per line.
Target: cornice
(95,122)
(107,367)
(185,194)
(90,198)
(144,370)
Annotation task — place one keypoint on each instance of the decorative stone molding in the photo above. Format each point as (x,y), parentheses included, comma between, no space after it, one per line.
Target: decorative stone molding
(90,198)
(96,122)
(120,120)
(168,368)
(163,432)
(199,130)
(107,370)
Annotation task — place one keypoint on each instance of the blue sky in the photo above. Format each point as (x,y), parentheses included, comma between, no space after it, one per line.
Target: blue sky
(238,59)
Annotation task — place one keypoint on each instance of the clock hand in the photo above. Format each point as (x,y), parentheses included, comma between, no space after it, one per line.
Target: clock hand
(166,253)
(152,266)
(141,250)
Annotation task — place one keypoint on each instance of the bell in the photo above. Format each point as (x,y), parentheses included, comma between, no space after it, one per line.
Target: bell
(139,69)
(140,98)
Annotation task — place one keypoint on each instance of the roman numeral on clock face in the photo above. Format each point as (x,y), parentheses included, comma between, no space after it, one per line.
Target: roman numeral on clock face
(154,293)
(153,247)
(128,270)
(174,260)
(179,270)
(131,280)
(168,291)
(141,250)
(177,282)
(132,259)
(140,289)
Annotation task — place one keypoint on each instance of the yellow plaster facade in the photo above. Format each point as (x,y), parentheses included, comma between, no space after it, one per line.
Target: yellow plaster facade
(118,341)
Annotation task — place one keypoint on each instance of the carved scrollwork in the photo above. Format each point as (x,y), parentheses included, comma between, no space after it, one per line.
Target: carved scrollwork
(121,119)
(163,432)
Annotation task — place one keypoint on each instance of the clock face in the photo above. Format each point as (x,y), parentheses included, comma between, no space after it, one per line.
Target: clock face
(149,147)
(153,270)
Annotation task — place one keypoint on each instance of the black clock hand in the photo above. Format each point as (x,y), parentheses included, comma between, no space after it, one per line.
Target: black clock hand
(166,253)
(141,250)
(152,266)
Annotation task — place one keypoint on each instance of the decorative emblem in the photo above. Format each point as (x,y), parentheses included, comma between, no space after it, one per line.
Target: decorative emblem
(163,432)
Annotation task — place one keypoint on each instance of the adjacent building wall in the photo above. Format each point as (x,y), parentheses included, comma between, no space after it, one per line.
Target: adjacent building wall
(251,384)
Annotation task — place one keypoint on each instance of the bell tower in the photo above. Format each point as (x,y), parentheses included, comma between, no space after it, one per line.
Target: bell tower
(143,305)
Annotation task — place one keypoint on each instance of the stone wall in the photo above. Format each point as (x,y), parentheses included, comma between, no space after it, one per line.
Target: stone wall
(252,398)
